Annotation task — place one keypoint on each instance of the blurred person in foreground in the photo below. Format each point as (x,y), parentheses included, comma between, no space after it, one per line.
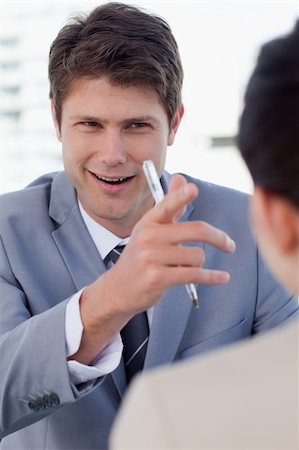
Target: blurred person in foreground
(70,312)
(245,396)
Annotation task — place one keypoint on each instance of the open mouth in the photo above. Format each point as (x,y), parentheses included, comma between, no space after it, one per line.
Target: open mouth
(108,180)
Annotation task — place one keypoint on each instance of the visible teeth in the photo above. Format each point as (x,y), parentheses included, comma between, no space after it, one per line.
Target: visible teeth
(111,180)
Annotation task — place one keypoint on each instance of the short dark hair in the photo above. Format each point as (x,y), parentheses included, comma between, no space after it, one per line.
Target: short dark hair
(127,45)
(269,125)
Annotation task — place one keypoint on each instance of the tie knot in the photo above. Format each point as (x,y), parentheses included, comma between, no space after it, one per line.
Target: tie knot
(115,253)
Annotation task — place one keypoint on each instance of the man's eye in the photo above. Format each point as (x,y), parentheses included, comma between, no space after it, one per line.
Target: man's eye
(90,124)
(138,125)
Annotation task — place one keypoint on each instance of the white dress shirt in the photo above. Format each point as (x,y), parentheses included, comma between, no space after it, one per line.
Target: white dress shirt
(109,358)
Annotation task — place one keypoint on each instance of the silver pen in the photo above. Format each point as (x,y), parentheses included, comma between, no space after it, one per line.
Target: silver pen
(158,194)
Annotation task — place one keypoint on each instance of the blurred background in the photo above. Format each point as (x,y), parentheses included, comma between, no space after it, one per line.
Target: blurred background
(218,41)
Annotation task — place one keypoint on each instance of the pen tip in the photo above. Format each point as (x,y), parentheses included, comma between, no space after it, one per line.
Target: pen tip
(196,303)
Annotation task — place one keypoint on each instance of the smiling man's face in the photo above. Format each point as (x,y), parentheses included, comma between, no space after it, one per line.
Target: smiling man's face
(107,131)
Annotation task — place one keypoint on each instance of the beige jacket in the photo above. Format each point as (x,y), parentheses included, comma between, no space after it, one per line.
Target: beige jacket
(244,397)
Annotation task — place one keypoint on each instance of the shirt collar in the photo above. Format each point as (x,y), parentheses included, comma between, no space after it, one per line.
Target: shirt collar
(103,239)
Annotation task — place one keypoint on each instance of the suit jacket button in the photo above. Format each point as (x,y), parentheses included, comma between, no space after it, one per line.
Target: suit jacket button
(54,399)
(46,401)
(39,403)
(33,406)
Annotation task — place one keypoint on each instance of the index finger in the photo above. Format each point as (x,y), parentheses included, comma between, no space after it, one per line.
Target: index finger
(170,207)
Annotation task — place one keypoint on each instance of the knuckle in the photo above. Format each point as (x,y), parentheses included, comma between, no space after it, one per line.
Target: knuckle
(148,256)
(154,278)
(147,237)
(212,277)
(167,208)
(199,228)
(144,236)
(201,256)
(196,276)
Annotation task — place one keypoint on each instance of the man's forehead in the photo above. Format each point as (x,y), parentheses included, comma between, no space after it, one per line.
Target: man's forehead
(84,84)
(95,99)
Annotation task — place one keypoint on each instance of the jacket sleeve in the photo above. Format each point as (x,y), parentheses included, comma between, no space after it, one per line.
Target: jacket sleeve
(34,378)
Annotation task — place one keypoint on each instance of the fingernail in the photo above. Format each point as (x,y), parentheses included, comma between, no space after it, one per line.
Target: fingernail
(231,245)
(184,190)
(224,277)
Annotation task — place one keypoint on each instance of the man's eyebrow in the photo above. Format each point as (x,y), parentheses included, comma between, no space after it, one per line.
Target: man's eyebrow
(85,118)
(140,119)
(89,118)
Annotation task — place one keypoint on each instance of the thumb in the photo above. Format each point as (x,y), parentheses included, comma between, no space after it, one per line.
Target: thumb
(176,182)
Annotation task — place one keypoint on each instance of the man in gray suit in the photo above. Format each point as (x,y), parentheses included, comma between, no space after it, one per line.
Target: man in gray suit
(115,89)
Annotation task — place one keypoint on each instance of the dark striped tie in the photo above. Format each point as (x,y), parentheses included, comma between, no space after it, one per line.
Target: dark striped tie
(134,334)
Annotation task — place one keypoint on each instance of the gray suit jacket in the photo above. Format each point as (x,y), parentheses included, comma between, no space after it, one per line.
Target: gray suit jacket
(47,254)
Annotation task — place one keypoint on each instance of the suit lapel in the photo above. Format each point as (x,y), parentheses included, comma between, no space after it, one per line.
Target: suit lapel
(168,326)
(78,250)
(72,238)
(169,320)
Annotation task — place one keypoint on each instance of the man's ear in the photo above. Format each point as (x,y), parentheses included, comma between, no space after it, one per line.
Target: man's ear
(175,125)
(55,121)
(278,217)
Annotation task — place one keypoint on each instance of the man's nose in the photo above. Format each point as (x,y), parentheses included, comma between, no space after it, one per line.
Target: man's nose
(113,148)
